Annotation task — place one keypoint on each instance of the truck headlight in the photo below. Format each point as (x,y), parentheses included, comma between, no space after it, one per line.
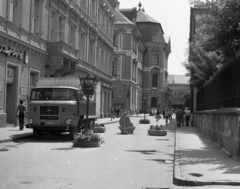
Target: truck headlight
(68,121)
(30,121)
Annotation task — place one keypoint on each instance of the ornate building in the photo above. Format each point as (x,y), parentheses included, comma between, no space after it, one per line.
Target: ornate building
(127,62)
(54,38)
(141,69)
(179,86)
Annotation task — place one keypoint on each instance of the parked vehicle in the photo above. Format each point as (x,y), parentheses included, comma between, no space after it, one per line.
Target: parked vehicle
(56,108)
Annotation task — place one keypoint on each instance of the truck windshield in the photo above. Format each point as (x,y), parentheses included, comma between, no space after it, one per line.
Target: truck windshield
(53,94)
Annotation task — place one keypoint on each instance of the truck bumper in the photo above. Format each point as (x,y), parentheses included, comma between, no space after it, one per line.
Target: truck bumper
(50,128)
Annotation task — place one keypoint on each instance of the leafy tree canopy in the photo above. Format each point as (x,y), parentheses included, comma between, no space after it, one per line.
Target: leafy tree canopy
(216,39)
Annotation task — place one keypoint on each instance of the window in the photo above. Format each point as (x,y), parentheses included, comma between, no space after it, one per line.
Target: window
(53,29)
(53,94)
(35,24)
(61,29)
(82,46)
(13,11)
(72,35)
(154,80)
(91,51)
(155,59)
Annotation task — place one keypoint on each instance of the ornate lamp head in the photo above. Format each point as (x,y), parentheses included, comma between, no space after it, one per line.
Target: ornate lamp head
(88,84)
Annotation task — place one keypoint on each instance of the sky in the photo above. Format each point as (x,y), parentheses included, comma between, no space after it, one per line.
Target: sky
(174,16)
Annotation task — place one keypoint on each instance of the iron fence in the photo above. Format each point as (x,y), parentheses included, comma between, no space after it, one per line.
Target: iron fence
(223,91)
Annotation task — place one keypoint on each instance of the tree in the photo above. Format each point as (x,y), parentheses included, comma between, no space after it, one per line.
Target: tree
(215,41)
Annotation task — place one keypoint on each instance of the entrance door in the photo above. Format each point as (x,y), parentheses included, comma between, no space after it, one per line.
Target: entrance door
(11,91)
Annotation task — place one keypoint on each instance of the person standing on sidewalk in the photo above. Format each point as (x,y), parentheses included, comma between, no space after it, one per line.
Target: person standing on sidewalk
(21,113)
(112,113)
(187,116)
(166,116)
(179,117)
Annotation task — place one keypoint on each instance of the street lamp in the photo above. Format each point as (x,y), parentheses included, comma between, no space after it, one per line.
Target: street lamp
(145,101)
(88,84)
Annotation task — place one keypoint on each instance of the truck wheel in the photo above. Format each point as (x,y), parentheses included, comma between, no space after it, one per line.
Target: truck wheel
(72,132)
(37,134)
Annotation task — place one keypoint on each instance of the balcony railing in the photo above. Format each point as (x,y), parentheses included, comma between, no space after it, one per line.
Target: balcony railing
(20,33)
(62,47)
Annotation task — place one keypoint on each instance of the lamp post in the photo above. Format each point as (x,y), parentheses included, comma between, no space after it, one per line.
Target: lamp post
(88,84)
(145,101)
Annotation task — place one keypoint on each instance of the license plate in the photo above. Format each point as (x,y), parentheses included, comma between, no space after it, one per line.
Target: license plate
(49,123)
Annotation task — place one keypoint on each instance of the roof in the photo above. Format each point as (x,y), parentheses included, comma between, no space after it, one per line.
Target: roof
(143,17)
(178,79)
(120,18)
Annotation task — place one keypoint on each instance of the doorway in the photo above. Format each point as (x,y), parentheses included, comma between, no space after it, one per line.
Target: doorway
(11,94)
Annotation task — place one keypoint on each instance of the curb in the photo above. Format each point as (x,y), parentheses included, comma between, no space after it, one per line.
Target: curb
(23,136)
(184,182)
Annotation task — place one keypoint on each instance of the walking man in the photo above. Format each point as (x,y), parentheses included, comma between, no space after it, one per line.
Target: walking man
(21,113)
(187,116)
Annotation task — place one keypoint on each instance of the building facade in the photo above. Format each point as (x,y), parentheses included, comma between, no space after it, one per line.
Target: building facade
(141,58)
(54,38)
(155,60)
(179,86)
(127,62)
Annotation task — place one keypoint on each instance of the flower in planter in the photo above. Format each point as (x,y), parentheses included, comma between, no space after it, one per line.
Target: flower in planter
(145,121)
(87,137)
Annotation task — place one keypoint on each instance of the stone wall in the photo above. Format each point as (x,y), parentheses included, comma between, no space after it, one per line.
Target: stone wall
(222,127)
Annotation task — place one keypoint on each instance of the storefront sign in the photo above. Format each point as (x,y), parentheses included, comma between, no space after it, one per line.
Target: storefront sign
(10,75)
(10,51)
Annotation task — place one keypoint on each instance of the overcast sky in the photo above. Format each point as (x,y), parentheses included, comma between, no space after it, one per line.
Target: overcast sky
(174,16)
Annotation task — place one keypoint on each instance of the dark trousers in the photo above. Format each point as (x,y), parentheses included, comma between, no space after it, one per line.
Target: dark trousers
(21,120)
(187,120)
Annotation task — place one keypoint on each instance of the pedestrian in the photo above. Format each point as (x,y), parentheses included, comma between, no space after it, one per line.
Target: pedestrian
(163,113)
(166,116)
(179,117)
(170,114)
(187,116)
(21,113)
(137,111)
(158,116)
(112,113)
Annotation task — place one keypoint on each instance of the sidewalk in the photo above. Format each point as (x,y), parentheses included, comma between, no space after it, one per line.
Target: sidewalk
(9,133)
(198,161)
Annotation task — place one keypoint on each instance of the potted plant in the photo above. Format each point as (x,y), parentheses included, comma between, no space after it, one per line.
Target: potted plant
(144,121)
(99,128)
(87,139)
(157,130)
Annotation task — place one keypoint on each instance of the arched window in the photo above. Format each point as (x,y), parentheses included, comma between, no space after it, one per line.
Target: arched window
(154,80)
(154,102)
(155,59)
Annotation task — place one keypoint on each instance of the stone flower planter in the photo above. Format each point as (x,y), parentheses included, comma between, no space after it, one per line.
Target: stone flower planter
(157,131)
(87,140)
(99,129)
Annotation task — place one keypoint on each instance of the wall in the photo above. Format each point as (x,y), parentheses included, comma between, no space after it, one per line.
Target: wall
(222,127)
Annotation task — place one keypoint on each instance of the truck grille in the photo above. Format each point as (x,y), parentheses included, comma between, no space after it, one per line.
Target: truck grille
(49,113)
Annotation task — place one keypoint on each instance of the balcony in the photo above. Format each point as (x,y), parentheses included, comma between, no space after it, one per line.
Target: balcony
(62,48)
(20,33)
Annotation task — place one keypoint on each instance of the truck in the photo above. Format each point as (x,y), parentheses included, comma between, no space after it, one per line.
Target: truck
(56,105)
